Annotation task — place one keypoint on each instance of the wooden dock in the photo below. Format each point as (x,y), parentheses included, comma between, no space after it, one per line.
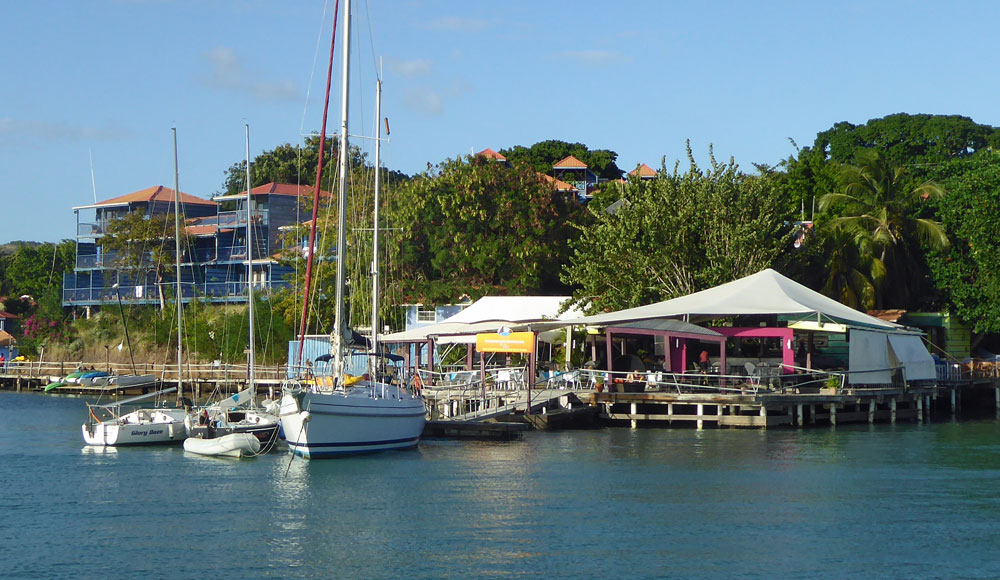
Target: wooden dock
(481,430)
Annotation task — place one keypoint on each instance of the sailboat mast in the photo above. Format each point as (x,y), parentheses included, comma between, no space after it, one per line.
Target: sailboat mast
(177,252)
(375,233)
(339,323)
(250,375)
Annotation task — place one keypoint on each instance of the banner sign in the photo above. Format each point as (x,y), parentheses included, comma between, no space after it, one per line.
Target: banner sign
(523,342)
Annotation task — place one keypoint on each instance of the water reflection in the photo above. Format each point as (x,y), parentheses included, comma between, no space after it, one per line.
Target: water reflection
(600,503)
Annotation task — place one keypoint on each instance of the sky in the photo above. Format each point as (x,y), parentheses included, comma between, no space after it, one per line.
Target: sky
(89,90)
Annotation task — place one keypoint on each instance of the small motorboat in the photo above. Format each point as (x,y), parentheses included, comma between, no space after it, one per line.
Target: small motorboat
(232,445)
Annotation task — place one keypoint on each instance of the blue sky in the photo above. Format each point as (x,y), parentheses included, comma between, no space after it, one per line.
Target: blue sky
(109,78)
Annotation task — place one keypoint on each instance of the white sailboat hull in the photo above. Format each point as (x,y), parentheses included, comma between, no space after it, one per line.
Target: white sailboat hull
(142,427)
(232,445)
(364,419)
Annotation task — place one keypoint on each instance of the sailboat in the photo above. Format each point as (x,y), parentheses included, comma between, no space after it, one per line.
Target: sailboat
(144,426)
(235,427)
(352,415)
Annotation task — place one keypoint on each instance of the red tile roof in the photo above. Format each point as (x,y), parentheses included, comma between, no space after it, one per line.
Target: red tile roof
(8,315)
(570,163)
(887,315)
(643,171)
(155,193)
(205,230)
(286,189)
(491,154)
(558,184)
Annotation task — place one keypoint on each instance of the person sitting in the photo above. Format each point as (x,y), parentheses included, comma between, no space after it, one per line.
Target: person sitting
(703,361)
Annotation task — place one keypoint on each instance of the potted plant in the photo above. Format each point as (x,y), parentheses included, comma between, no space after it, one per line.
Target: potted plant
(830,386)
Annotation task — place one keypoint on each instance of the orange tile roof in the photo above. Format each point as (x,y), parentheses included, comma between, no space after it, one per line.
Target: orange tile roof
(286,189)
(155,193)
(205,230)
(491,154)
(643,171)
(6,339)
(558,184)
(570,163)
(887,315)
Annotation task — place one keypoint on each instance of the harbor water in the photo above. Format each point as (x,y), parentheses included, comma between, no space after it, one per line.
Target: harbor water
(903,501)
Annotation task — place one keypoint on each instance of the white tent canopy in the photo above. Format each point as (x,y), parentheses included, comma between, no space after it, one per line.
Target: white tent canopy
(487,315)
(766,292)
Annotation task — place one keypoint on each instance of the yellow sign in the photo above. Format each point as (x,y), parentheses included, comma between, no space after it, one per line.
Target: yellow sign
(510,342)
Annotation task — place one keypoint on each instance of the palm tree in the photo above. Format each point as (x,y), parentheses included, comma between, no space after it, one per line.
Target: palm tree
(878,208)
(852,278)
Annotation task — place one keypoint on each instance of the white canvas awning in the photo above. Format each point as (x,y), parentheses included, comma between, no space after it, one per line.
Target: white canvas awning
(488,314)
(873,356)
(766,292)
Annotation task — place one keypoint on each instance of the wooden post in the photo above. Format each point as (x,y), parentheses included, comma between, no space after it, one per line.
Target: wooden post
(634,410)
(996,392)
(718,415)
(670,412)
(701,412)
(954,401)
(802,418)
(833,414)
(812,414)
(920,409)
(892,410)
(763,414)
(871,411)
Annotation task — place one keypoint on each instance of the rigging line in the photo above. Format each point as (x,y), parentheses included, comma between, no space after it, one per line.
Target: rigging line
(312,71)
(371,42)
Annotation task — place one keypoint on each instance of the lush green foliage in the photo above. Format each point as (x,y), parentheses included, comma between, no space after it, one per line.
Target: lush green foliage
(36,271)
(908,139)
(879,207)
(541,156)
(968,273)
(678,234)
(475,226)
(294,164)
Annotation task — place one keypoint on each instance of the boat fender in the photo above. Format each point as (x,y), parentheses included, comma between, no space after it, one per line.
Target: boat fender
(305,416)
(170,430)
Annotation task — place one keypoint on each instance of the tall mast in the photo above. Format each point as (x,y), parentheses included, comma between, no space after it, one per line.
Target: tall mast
(339,323)
(250,376)
(375,235)
(177,248)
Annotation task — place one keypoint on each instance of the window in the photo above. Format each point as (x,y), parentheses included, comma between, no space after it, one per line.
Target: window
(426,315)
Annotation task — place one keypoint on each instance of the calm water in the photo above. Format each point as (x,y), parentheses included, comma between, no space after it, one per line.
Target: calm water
(906,502)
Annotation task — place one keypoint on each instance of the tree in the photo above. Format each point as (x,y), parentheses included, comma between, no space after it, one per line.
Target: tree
(293,164)
(474,226)
(879,206)
(676,234)
(906,139)
(543,155)
(852,278)
(141,245)
(968,271)
(35,269)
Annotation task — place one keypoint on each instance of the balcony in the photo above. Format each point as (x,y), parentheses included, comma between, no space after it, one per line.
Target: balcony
(91,229)
(239,218)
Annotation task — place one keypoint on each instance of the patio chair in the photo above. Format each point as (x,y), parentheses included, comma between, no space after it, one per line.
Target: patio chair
(753,374)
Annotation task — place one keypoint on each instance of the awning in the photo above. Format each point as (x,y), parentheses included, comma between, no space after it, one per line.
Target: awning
(873,356)
(917,362)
